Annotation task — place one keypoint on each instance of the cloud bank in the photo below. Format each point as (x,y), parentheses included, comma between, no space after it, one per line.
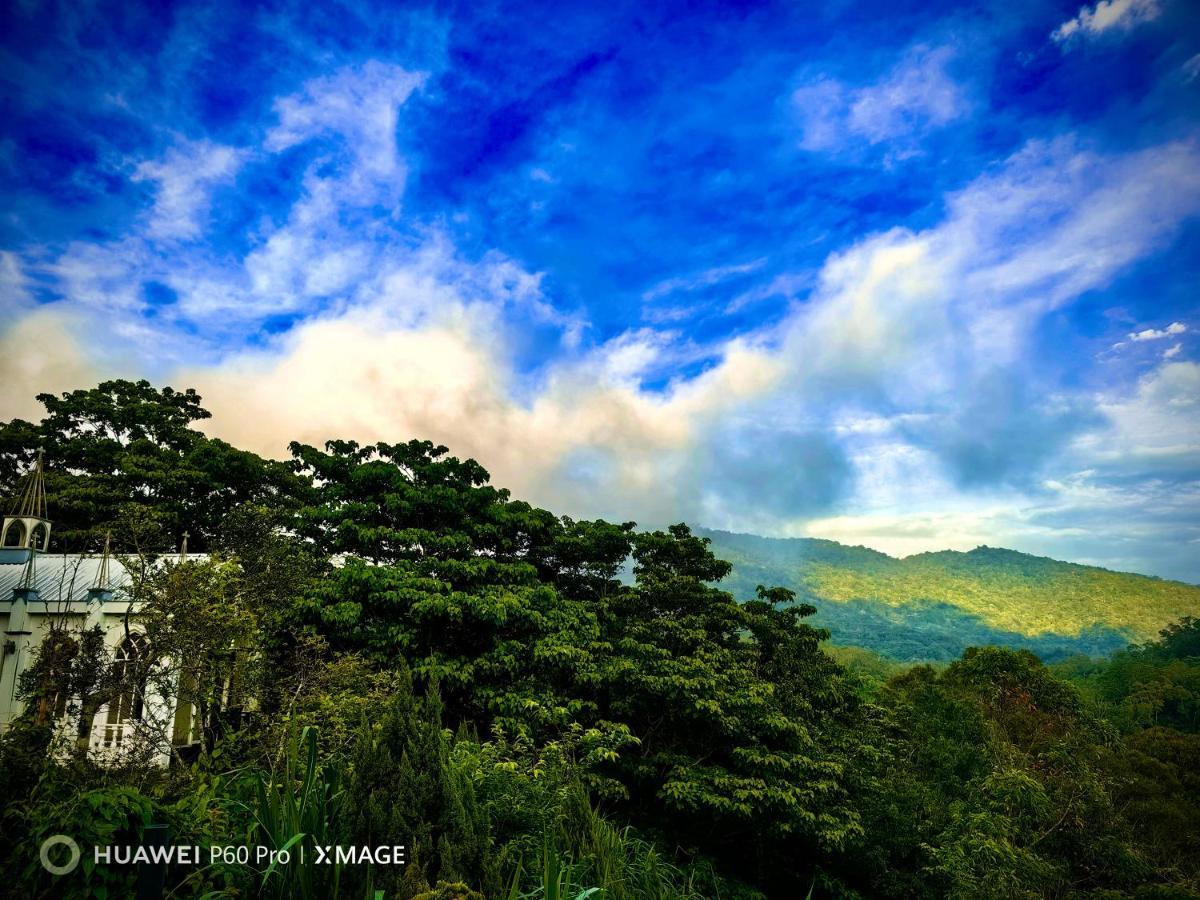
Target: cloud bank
(882,303)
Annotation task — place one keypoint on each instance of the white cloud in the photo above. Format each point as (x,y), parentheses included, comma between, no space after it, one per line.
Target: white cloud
(1157,334)
(1070,520)
(331,248)
(911,315)
(1191,69)
(1106,16)
(312,254)
(1173,351)
(358,105)
(41,353)
(421,345)
(707,278)
(788,285)
(905,533)
(14,285)
(322,250)
(822,107)
(105,277)
(914,322)
(365,375)
(918,95)
(1139,469)
(1156,430)
(903,313)
(185,177)
(901,320)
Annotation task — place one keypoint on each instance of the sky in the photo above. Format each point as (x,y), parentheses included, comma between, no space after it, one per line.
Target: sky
(912,276)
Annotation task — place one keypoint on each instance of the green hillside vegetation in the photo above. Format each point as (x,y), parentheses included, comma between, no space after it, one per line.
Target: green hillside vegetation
(1018,592)
(1013,593)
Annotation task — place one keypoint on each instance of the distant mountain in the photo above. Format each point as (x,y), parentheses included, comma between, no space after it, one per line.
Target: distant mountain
(932,606)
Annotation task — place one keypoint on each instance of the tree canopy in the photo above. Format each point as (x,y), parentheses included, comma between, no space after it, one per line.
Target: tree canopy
(126,442)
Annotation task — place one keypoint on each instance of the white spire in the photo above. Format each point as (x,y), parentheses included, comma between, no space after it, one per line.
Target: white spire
(27,526)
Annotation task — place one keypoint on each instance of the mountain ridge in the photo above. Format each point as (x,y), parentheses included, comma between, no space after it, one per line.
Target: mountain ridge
(981,548)
(933,604)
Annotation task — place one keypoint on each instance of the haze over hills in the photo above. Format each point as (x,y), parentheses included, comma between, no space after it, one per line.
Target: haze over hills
(931,606)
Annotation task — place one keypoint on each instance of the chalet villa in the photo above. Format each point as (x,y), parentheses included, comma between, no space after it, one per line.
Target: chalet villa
(78,591)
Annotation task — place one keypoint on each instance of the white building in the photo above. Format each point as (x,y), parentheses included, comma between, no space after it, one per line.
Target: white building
(40,590)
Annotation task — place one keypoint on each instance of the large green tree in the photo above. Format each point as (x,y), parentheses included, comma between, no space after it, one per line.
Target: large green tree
(743,720)
(524,621)
(445,572)
(997,781)
(127,442)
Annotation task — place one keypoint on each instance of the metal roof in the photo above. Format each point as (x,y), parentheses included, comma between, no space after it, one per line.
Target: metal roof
(59,577)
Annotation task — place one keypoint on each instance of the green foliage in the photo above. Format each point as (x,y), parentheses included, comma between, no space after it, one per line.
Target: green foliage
(726,700)
(297,810)
(1010,780)
(446,890)
(26,749)
(446,578)
(538,707)
(585,852)
(407,787)
(198,615)
(1154,684)
(125,442)
(1157,789)
(740,714)
(101,816)
(553,842)
(934,605)
(870,669)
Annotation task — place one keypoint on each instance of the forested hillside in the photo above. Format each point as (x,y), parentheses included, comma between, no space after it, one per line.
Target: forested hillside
(384,648)
(932,606)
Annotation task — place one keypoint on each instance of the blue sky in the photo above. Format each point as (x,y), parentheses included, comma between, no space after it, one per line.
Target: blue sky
(894,274)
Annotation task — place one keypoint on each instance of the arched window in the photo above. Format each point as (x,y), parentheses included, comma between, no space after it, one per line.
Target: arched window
(14,534)
(40,537)
(125,708)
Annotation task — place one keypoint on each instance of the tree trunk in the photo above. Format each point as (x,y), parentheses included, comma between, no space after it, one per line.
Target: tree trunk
(89,707)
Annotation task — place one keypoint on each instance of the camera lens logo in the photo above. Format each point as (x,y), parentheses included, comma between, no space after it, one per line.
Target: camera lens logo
(72,849)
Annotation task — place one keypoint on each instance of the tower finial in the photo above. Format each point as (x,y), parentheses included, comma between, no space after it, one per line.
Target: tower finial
(102,575)
(27,526)
(32,501)
(183,548)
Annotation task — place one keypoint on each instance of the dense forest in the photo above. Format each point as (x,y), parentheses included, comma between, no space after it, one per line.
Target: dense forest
(932,606)
(539,707)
